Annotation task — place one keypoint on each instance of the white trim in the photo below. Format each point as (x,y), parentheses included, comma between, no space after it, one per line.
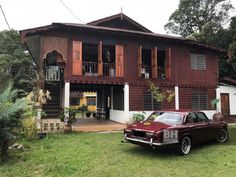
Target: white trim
(67,95)
(176,97)
(126,97)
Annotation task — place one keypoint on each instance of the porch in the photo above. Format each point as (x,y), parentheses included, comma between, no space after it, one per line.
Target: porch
(93,125)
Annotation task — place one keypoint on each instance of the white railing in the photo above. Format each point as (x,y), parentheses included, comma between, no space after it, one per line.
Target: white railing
(52,73)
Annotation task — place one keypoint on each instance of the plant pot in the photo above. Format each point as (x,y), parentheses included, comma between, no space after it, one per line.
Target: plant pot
(88,114)
(42,135)
(94,114)
(218,117)
(67,129)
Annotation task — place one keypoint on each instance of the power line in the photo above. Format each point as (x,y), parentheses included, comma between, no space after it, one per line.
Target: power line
(70,11)
(5,18)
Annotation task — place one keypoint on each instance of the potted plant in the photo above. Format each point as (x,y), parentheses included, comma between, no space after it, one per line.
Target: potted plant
(217,116)
(69,118)
(88,113)
(37,99)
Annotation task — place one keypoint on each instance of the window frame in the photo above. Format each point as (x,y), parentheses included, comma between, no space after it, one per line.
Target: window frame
(200,100)
(198,61)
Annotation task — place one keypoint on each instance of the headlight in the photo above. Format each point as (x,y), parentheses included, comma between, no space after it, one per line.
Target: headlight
(149,134)
(128,131)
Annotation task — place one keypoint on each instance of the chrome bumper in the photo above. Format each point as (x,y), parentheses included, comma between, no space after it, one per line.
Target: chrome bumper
(151,143)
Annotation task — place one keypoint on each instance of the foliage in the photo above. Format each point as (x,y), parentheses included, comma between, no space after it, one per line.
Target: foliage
(9,107)
(102,154)
(160,95)
(197,16)
(29,126)
(15,63)
(38,97)
(232,49)
(214,102)
(138,117)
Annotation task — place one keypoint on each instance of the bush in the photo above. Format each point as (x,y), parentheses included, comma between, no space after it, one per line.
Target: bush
(29,128)
(138,117)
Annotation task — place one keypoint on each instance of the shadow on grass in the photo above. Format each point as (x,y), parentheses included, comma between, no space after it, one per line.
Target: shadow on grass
(165,152)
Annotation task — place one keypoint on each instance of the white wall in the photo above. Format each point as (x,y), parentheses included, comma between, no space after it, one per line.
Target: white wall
(119,116)
(231,90)
(209,113)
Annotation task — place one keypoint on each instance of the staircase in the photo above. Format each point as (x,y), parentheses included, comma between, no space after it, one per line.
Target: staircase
(52,107)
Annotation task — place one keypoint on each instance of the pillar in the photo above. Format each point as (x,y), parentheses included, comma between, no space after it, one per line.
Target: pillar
(66,96)
(177,97)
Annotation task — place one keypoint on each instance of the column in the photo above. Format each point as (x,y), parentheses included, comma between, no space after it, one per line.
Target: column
(126,97)
(67,96)
(177,97)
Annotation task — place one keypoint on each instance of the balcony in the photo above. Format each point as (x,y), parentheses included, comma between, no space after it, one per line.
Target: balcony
(109,69)
(91,69)
(53,73)
(161,74)
(146,71)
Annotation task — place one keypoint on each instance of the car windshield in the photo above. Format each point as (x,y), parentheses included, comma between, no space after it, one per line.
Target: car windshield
(172,118)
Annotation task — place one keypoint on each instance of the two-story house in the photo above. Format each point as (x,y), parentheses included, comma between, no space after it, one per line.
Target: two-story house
(116,57)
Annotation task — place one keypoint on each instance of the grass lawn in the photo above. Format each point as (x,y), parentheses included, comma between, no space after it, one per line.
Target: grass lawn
(103,154)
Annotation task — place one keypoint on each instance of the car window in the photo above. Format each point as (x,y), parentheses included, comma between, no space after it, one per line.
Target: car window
(153,116)
(191,118)
(202,117)
(171,118)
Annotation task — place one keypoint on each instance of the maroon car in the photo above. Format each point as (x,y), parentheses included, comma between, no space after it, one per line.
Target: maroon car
(182,129)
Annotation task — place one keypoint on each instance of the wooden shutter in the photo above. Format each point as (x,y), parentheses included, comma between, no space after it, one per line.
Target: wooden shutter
(77,58)
(119,61)
(154,62)
(100,64)
(168,63)
(139,61)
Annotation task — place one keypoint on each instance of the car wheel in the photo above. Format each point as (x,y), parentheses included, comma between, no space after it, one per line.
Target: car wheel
(222,136)
(184,146)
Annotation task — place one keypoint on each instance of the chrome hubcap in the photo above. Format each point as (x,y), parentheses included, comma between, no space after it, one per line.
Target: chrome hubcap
(186,145)
(222,137)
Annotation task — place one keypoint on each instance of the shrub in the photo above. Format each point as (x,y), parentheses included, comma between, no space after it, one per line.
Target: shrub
(138,117)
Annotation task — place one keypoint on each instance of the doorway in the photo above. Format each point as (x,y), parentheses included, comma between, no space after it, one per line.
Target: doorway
(225,103)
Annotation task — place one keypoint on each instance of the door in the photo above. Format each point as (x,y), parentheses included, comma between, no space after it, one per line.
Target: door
(225,103)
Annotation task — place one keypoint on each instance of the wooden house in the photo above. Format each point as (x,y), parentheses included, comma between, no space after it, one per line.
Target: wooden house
(116,57)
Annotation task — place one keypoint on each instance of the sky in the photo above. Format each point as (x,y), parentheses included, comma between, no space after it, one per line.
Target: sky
(24,14)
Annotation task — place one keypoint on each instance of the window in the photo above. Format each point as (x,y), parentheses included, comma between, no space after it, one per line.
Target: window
(118,98)
(202,117)
(91,101)
(199,101)
(198,61)
(74,101)
(149,103)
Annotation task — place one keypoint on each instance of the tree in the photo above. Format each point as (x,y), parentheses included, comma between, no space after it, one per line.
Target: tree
(9,107)
(15,63)
(197,16)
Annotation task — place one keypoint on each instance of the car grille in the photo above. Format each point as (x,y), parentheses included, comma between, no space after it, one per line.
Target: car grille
(139,134)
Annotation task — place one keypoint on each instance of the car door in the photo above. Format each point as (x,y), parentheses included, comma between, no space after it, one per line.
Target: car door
(195,128)
(208,127)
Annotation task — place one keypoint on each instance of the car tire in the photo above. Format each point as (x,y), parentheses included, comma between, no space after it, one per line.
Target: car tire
(184,146)
(222,136)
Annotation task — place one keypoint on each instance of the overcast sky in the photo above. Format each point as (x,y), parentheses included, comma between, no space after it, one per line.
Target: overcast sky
(23,14)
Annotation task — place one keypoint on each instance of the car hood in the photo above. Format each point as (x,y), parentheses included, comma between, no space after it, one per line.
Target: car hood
(148,126)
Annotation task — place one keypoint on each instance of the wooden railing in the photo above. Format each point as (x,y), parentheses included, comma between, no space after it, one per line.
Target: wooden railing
(90,68)
(109,69)
(161,73)
(146,71)
(52,73)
